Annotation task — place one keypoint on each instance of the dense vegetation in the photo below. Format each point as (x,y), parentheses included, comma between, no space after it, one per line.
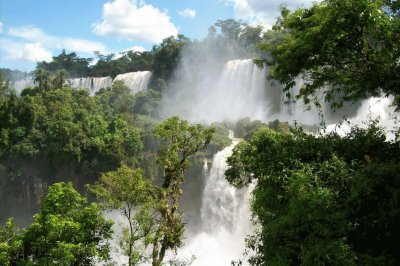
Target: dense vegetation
(326,200)
(346,50)
(67,230)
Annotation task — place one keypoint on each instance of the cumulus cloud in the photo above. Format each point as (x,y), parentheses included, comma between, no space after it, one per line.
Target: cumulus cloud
(32,51)
(264,12)
(187,13)
(29,43)
(34,34)
(1,27)
(133,48)
(135,21)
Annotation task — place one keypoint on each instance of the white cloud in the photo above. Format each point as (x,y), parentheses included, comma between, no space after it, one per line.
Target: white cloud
(187,13)
(33,51)
(34,34)
(133,48)
(135,21)
(262,11)
(29,43)
(1,27)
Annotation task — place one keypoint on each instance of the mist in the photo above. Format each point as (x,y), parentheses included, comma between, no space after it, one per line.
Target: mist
(213,83)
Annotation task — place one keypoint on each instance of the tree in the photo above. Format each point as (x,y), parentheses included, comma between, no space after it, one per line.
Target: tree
(166,56)
(152,211)
(10,244)
(67,231)
(71,62)
(178,141)
(60,78)
(345,49)
(321,200)
(127,191)
(230,28)
(41,77)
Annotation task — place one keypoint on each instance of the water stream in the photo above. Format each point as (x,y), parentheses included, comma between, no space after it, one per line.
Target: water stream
(225,218)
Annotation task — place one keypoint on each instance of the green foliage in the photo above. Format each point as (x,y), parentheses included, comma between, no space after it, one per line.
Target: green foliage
(108,65)
(12,75)
(126,191)
(348,46)
(58,134)
(178,141)
(74,65)
(321,201)
(232,39)
(166,56)
(152,212)
(219,141)
(42,78)
(67,231)
(245,127)
(146,103)
(10,244)
(60,78)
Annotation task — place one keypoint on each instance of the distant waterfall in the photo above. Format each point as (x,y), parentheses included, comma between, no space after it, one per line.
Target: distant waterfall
(136,81)
(238,91)
(21,84)
(374,108)
(91,83)
(225,218)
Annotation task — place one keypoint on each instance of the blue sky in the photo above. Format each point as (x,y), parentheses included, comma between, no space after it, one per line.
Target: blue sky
(36,30)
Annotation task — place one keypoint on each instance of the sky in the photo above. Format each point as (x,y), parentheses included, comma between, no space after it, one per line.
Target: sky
(32,31)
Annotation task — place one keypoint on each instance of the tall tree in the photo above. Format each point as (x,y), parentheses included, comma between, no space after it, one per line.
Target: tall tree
(153,214)
(71,62)
(350,48)
(42,78)
(127,191)
(321,200)
(60,78)
(166,56)
(178,141)
(67,231)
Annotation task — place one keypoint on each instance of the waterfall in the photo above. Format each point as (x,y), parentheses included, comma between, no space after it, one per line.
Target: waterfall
(374,108)
(91,83)
(21,84)
(238,91)
(225,218)
(136,81)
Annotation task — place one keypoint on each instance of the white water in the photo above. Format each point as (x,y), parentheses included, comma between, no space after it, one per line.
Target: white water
(21,84)
(373,108)
(136,81)
(225,218)
(239,90)
(90,83)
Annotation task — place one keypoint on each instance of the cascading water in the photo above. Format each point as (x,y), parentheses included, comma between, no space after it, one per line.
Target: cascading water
(136,81)
(225,218)
(374,108)
(21,84)
(240,90)
(91,83)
